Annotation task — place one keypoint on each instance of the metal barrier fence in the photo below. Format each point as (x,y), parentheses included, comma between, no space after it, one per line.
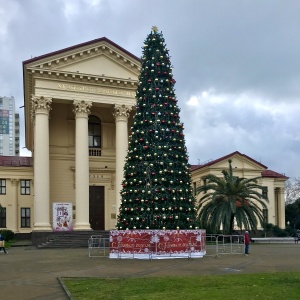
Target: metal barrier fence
(219,244)
(98,246)
(216,245)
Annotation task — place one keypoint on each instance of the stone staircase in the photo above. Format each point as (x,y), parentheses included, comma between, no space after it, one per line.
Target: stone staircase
(73,239)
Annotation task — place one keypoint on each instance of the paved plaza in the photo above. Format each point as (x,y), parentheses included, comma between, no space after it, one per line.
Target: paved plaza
(30,273)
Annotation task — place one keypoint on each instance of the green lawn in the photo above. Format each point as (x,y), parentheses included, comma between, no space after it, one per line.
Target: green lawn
(232,286)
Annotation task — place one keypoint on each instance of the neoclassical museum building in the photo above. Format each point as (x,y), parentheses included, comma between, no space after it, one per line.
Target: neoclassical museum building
(79,104)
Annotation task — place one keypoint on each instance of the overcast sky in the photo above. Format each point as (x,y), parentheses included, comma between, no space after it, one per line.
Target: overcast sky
(236,64)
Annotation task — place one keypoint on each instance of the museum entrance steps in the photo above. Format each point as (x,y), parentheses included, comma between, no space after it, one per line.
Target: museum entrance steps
(72,239)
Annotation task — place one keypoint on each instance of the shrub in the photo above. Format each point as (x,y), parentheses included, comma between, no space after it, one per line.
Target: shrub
(279,232)
(7,234)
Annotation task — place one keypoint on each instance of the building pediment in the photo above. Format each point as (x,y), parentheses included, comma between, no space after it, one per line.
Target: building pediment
(240,162)
(99,58)
(100,65)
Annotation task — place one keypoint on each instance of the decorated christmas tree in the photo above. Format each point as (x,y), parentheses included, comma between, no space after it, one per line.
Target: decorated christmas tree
(156,191)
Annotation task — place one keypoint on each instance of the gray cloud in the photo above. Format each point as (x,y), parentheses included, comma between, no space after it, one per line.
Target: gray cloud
(246,52)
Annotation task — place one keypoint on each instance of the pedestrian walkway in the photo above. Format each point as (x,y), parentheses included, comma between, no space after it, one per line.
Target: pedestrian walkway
(31,273)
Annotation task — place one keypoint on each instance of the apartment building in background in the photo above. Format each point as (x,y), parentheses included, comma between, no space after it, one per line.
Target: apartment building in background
(9,127)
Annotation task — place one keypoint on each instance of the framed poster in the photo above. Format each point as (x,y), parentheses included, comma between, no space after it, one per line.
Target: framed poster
(62,217)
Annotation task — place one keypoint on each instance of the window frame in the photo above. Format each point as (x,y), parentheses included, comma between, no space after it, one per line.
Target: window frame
(25,218)
(264,191)
(3,217)
(93,132)
(25,190)
(2,186)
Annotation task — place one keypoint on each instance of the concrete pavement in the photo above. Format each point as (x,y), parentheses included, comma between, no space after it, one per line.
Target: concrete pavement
(31,273)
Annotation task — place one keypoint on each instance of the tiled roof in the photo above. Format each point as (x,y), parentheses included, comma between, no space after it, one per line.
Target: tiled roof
(81,45)
(272,174)
(212,162)
(16,161)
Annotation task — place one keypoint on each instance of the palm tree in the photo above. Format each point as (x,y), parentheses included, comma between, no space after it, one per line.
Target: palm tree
(228,199)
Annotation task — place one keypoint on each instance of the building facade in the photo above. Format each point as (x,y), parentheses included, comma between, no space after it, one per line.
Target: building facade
(78,106)
(245,167)
(79,103)
(9,127)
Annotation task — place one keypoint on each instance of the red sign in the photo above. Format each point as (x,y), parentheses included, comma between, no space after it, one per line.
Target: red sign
(153,244)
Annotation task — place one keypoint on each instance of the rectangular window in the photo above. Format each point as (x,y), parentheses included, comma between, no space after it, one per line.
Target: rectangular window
(2,186)
(2,217)
(25,217)
(195,188)
(25,187)
(265,191)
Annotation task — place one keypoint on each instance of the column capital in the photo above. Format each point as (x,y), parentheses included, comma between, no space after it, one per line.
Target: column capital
(121,111)
(40,104)
(14,181)
(82,108)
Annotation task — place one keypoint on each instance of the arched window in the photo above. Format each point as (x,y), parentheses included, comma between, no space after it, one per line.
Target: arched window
(94,136)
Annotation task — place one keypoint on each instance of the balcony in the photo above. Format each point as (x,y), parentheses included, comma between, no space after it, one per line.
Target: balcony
(94,151)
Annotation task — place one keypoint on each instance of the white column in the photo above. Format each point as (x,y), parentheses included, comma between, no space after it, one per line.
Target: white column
(82,110)
(281,208)
(121,114)
(40,113)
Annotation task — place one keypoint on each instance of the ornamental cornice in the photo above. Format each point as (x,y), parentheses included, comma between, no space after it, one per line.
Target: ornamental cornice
(121,111)
(82,108)
(83,78)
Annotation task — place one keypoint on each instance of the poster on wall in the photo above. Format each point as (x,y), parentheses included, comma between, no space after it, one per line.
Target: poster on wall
(62,217)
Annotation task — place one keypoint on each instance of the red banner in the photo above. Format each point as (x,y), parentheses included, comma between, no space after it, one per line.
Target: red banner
(152,244)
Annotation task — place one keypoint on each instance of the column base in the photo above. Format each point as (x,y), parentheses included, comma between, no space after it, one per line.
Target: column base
(82,226)
(42,227)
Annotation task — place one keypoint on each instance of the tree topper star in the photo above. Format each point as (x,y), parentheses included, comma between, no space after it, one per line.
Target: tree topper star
(154,28)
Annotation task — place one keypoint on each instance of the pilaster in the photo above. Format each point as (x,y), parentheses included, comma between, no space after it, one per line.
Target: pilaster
(14,203)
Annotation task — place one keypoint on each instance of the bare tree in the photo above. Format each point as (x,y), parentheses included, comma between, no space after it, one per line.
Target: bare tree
(292,190)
